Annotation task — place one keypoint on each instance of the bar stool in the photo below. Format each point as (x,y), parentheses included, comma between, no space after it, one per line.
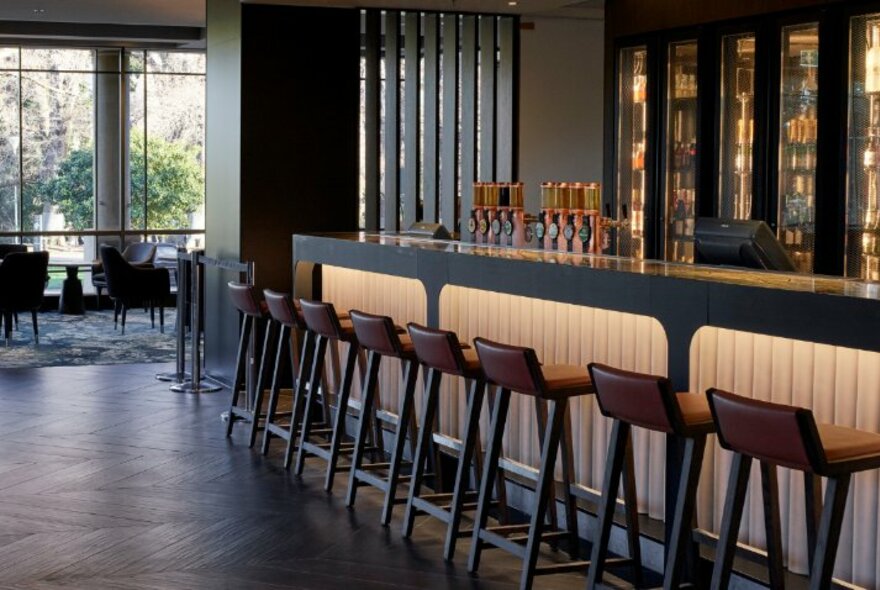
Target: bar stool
(246,299)
(327,326)
(286,312)
(776,434)
(440,352)
(379,337)
(634,399)
(514,368)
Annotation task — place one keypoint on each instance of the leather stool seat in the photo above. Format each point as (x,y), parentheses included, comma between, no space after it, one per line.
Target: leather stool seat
(379,337)
(517,369)
(326,326)
(842,443)
(246,299)
(440,352)
(782,435)
(648,401)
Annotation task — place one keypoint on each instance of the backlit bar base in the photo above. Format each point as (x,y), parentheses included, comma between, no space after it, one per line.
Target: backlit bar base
(699,326)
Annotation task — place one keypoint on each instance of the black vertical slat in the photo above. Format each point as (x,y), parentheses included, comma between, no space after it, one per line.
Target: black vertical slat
(468,111)
(430,160)
(488,64)
(504,145)
(410,196)
(449,127)
(371,119)
(392,121)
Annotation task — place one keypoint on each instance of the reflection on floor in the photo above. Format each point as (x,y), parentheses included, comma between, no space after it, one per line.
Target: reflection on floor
(89,340)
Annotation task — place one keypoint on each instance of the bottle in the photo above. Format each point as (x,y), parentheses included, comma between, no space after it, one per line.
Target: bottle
(869,158)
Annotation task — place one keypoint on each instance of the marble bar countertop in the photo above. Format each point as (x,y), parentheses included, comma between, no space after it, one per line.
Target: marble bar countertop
(804,283)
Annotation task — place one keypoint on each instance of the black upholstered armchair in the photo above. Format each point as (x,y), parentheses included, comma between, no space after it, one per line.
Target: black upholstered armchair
(22,283)
(12,249)
(136,253)
(134,286)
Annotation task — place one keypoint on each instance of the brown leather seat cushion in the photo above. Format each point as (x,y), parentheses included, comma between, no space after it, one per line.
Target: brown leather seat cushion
(694,408)
(566,380)
(842,443)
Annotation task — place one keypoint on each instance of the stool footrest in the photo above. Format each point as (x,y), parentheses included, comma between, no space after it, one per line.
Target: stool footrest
(279,430)
(561,568)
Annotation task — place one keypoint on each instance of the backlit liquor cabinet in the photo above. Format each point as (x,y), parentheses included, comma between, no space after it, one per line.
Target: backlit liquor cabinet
(773,117)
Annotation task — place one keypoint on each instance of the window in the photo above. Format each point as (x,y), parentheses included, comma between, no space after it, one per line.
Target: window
(66,183)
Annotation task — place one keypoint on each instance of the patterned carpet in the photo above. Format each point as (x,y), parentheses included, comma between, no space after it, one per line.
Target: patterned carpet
(67,340)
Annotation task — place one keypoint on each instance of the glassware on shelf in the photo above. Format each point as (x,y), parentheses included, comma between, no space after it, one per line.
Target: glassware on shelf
(681,150)
(863,153)
(632,142)
(737,126)
(797,142)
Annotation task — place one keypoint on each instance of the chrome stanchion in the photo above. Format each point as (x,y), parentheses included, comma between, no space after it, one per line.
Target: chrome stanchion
(179,374)
(196,384)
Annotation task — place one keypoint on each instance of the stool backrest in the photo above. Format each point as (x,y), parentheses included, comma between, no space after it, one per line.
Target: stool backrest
(376,333)
(643,400)
(438,349)
(321,318)
(281,307)
(780,434)
(511,367)
(244,297)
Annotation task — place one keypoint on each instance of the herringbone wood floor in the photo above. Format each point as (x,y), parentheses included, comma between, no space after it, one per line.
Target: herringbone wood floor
(108,480)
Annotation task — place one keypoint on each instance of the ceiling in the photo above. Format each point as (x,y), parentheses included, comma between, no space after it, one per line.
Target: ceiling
(191,13)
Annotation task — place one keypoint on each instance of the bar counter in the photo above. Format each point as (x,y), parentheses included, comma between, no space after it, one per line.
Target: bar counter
(796,339)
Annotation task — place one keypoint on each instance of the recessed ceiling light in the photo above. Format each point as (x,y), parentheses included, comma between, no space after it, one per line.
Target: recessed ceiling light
(512,3)
(39,10)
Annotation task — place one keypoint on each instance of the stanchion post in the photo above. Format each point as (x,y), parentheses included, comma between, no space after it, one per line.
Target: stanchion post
(179,374)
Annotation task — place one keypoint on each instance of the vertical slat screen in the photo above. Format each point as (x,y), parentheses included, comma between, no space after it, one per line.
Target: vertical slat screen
(487,98)
(468,111)
(449,129)
(504,145)
(372,39)
(411,117)
(392,121)
(454,122)
(431,161)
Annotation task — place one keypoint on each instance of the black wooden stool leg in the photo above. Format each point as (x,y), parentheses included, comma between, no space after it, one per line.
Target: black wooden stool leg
(364,420)
(261,381)
(733,507)
(684,510)
(429,410)
(829,531)
(568,477)
(275,387)
(403,426)
(772,525)
(469,441)
(300,383)
(493,454)
(341,413)
(631,512)
(541,416)
(614,464)
(315,373)
(544,490)
(813,510)
(238,380)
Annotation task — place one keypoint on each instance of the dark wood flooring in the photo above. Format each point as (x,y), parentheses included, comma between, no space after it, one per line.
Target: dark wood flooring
(109,480)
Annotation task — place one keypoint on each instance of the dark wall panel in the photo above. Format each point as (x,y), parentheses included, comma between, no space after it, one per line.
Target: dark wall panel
(299,157)
(372,89)
(449,133)
(392,122)
(411,119)
(487,99)
(468,113)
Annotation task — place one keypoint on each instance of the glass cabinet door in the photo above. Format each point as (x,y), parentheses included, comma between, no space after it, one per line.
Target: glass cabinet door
(798,127)
(863,150)
(681,150)
(632,148)
(737,126)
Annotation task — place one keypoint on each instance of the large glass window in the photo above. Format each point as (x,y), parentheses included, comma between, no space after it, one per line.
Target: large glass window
(101,145)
